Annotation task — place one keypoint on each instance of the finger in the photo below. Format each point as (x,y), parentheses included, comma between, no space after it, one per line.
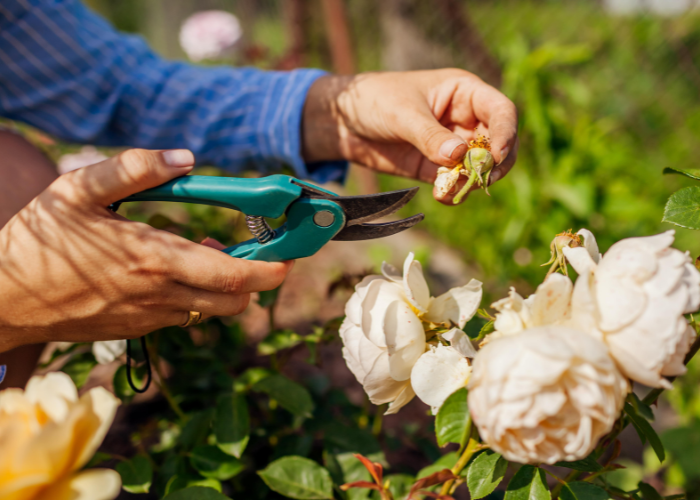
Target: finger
(184,298)
(199,266)
(437,143)
(212,243)
(500,115)
(125,174)
(504,167)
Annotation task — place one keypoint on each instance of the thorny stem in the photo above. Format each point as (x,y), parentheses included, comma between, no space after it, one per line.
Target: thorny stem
(472,447)
(153,353)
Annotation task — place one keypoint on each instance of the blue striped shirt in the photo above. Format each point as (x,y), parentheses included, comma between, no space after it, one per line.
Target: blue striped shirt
(66,71)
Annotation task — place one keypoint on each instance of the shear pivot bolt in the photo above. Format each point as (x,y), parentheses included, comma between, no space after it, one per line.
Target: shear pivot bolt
(324,218)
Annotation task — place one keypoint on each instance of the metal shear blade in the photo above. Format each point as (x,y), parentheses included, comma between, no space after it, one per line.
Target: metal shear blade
(361,209)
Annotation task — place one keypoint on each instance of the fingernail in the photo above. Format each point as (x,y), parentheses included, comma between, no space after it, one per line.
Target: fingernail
(504,154)
(448,148)
(495,175)
(178,158)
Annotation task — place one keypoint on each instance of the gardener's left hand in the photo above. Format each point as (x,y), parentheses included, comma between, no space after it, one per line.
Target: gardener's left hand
(408,123)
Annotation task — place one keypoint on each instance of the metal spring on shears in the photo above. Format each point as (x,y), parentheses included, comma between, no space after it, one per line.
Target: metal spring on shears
(259,227)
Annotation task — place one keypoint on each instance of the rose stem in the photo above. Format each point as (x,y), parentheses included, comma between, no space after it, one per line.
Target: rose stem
(472,447)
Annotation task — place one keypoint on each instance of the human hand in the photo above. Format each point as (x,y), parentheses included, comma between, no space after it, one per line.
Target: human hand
(408,123)
(73,270)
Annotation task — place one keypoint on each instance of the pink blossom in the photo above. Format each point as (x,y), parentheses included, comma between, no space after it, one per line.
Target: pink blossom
(210,34)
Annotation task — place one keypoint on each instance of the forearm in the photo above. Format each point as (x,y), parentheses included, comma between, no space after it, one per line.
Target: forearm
(321,122)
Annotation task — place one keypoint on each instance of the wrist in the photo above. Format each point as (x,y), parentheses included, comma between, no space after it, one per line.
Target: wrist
(322,124)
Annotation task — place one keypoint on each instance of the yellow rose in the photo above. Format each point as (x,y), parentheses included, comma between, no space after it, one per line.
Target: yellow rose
(47,434)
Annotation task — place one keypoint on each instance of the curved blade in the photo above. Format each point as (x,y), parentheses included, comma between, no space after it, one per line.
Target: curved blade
(365,208)
(372,231)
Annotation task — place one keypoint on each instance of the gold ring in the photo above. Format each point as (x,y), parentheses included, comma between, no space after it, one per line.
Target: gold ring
(193,318)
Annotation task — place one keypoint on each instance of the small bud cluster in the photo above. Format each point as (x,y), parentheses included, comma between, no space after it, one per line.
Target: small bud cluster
(476,165)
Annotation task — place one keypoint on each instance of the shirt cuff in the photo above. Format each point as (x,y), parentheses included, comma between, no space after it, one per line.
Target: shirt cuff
(282,124)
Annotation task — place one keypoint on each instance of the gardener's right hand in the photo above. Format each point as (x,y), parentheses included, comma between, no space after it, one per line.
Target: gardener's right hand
(73,270)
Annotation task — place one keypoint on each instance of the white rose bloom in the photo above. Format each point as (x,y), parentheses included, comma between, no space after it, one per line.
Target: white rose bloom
(384,334)
(634,298)
(549,305)
(546,395)
(210,34)
(106,351)
(438,373)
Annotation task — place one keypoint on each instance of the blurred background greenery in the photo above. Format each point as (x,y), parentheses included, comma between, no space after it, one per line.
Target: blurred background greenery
(607,100)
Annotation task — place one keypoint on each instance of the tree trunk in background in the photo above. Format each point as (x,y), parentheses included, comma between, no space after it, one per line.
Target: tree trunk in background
(338,36)
(462,29)
(295,20)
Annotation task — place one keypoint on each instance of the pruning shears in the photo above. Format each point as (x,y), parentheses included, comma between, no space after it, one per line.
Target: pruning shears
(314,215)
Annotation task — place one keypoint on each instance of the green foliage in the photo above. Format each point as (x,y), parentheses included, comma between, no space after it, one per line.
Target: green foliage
(645,431)
(683,208)
(136,474)
(290,395)
(485,473)
(298,477)
(528,483)
(232,425)
(196,493)
(79,367)
(580,490)
(213,463)
(588,464)
(452,421)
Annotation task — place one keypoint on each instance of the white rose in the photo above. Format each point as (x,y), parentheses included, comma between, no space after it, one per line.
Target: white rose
(210,34)
(106,351)
(438,373)
(549,305)
(634,298)
(546,395)
(384,332)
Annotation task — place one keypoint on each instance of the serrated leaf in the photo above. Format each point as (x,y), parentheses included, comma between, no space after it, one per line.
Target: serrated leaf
(580,490)
(452,419)
(298,477)
(278,340)
(196,493)
(645,429)
(588,464)
(213,463)
(290,395)
(648,491)
(79,367)
(485,473)
(683,208)
(232,424)
(136,473)
(528,484)
(693,173)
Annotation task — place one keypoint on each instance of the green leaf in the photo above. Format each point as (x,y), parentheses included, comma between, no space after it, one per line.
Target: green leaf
(580,490)
(213,463)
(97,459)
(528,484)
(683,208)
(298,477)
(485,473)
(290,395)
(645,430)
(196,493)
(588,464)
(648,492)
(232,424)
(122,389)
(339,438)
(693,173)
(353,470)
(640,407)
(249,378)
(452,419)
(79,368)
(136,474)
(196,429)
(278,340)
(444,462)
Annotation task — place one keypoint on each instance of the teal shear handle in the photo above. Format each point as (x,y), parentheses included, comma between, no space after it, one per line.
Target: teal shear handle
(311,222)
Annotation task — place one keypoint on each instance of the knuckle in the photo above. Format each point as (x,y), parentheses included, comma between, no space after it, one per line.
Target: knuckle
(141,165)
(232,282)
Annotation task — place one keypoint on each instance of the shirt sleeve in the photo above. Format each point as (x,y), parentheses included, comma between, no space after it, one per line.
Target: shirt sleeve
(65,70)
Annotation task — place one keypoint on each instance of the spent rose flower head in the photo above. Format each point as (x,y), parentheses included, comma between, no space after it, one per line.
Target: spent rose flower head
(546,395)
(634,298)
(391,320)
(47,434)
(210,34)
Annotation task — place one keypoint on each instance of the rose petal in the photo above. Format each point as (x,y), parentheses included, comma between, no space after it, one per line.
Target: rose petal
(405,339)
(675,366)
(404,397)
(379,295)
(580,259)
(52,392)
(92,484)
(106,351)
(590,244)
(457,305)
(438,373)
(414,285)
(552,300)
(460,342)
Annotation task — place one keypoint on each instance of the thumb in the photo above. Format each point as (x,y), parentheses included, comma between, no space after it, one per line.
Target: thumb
(437,143)
(128,173)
